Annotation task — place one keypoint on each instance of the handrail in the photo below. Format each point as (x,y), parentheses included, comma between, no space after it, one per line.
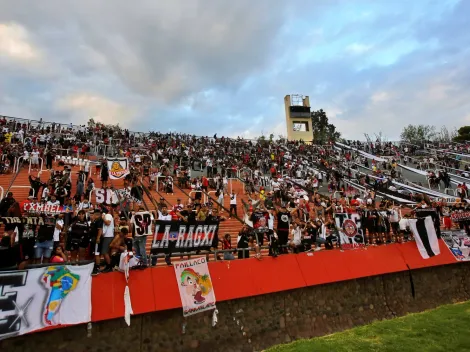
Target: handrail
(34,192)
(205,197)
(17,167)
(215,201)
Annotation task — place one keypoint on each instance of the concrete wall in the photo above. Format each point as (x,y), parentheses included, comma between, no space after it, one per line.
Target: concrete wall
(292,135)
(252,324)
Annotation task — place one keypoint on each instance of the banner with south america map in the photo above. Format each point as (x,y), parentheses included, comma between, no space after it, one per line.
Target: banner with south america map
(39,298)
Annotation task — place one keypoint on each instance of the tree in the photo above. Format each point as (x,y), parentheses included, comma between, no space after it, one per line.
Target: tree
(417,133)
(91,123)
(463,134)
(323,131)
(445,136)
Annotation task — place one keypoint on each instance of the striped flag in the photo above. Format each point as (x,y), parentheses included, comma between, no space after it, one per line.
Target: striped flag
(425,236)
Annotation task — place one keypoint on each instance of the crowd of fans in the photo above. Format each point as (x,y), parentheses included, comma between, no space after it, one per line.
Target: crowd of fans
(291,193)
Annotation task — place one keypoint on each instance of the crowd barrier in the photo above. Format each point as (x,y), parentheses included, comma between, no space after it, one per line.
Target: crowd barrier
(155,289)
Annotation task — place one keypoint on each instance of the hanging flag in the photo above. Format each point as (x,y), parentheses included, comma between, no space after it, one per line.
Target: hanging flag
(351,235)
(38,298)
(425,236)
(195,286)
(118,168)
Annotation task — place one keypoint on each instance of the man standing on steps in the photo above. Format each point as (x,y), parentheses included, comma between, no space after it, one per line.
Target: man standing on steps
(96,232)
(163,215)
(107,238)
(233,204)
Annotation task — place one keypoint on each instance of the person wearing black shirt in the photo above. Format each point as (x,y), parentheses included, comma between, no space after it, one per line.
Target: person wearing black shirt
(214,217)
(104,174)
(60,194)
(259,218)
(9,255)
(242,242)
(188,214)
(36,185)
(283,221)
(49,159)
(78,238)
(6,203)
(96,230)
(44,240)
(146,170)
(137,191)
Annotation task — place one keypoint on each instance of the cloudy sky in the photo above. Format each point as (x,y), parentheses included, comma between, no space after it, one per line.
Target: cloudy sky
(224,66)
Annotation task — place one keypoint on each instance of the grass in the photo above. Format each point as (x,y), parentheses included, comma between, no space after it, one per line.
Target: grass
(442,329)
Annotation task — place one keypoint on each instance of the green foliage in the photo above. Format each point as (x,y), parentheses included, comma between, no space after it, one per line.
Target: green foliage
(441,329)
(323,131)
(91,123)
(463,134)
(417,133)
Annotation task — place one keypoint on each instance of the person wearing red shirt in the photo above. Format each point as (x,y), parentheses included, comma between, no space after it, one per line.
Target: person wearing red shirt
(205,183)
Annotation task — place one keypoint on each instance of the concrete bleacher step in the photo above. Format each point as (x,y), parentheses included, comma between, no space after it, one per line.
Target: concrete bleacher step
(20,189)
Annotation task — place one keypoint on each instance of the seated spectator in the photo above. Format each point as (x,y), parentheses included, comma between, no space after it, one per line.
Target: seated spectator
(9,255)
(227,245)
(58,255)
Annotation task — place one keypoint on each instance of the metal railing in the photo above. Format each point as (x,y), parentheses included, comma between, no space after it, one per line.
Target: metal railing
(34,192)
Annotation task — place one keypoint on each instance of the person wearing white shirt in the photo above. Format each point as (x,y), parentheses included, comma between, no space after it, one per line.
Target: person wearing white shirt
(142,222)
(106,239)
(163,215)
(53,201)
(59,225)
(233,204)
(296,233)
(45,193)
(35,159)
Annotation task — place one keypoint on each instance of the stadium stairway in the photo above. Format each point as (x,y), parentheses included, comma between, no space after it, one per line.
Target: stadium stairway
(21,187)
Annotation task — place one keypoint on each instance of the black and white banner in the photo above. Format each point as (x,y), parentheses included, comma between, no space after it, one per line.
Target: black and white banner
(114,196)
(184,236)
(425,236)
(37,298)
(350,230)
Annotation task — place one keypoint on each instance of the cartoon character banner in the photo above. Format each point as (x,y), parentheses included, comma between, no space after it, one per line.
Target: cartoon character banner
(38,298)
(118,168)
(350,230)
(195,286)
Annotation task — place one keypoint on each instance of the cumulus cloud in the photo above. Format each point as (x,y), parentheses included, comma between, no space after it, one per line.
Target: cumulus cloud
(87,105)
(15,43)
(224,66)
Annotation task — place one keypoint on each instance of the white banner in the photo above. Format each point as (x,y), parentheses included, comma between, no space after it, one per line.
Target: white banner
(351,235)
(114,196)
(118,168)
(195,286)
(458,243)
(38,298)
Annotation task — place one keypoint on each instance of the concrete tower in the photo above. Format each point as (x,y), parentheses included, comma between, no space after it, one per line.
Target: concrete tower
(298,120)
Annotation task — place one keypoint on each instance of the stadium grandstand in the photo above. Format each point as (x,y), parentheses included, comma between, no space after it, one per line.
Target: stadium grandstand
(101,190)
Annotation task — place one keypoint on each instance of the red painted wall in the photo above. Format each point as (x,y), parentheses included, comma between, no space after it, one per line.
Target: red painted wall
(156,289)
